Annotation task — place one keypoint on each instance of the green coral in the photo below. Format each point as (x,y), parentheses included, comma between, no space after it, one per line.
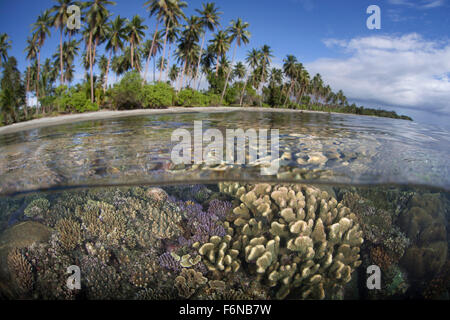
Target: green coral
(37,208)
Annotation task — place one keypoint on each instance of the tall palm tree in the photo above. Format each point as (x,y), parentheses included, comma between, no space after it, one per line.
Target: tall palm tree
(114,41)
(155,45)
(266,59)
(172,36)
(157,8)
(135,31)
(303,84)
(220,45)
(173,13)
(5,45)
(96,15)
(239,70)
(173,73)
(70,50)
(41,29)
(59,22)
(240,35)
(209,19)
(317,84)
(253,58)
(290,70)
(31,53)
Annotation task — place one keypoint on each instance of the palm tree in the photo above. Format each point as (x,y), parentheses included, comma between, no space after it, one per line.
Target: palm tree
(239,70)
(172,14)
(238,33)
(304,84)
(96,16)
(41,30)
(188,49)
(172,36)
(31,53)
(173,73)
(266,59)
(59,22)
(114,42)
(135,30)
(317,84)
(209,19)
(163,63)
(157,8)
(220,45)
(253,59)
(5,45)
(290,70)
(155,45)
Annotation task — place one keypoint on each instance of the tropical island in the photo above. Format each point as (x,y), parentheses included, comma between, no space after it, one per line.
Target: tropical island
(191,66)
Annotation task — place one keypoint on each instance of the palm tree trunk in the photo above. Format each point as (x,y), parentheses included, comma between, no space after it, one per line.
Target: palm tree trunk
(132,54)
(164,52)
(199,58)
(107,71)
(262,84)
(150,53)
(182,75)
(217,66)
(90,67)
(228,73)
(154,70)
(37,82)
(61,56)
(168,64)
(243,90)
(289,92)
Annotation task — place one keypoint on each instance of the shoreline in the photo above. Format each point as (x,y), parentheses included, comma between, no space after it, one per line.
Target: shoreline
(109,114)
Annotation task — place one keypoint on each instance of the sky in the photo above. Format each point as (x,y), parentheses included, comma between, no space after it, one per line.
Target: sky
(404,66)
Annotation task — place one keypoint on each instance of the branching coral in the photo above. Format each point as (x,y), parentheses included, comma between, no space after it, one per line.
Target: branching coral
(294,237)
(21,272)
(69,233)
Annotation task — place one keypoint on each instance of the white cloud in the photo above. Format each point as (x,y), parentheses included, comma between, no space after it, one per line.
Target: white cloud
(406,71)
(422,4)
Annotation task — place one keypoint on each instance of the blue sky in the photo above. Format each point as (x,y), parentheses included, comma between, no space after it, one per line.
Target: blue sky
(405,66)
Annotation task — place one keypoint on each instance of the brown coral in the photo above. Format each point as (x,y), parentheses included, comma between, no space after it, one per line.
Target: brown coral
(69,233)
(21,272)
(188,282)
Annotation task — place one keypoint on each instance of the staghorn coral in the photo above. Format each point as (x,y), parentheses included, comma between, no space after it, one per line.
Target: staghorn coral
(188,282)
(294,237)
(21,272)
(69,233)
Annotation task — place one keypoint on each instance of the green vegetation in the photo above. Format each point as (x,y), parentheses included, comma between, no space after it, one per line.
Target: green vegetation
(188,52)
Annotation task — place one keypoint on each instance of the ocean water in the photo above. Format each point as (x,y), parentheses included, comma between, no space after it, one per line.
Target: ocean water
(358,209)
